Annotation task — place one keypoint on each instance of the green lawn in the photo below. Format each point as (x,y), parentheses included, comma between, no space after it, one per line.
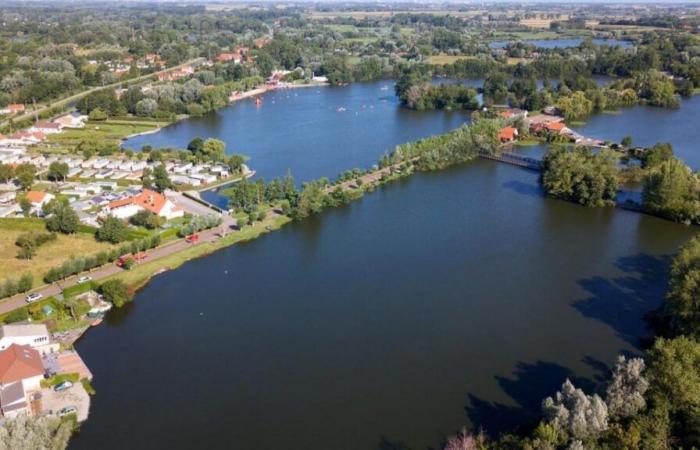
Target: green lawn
(447,59)
(114,130)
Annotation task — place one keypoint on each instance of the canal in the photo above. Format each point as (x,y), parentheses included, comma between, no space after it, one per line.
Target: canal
(461,297)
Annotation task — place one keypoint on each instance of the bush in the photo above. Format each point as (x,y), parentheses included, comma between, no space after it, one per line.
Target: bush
(112,230)
(116,292)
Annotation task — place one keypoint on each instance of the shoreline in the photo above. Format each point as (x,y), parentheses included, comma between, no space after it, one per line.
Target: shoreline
(258,91)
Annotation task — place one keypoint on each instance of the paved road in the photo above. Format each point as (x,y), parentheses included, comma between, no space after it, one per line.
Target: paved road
(75,97)
(110,269)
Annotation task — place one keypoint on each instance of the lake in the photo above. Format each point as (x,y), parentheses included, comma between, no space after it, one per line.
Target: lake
(460,297)
(562,43)
(455,298)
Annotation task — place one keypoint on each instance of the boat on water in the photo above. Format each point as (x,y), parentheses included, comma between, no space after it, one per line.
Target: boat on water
(258,101)
(340,109)
(96,322)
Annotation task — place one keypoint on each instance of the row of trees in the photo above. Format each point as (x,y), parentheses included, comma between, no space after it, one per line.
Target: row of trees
(11,287)
(80,264)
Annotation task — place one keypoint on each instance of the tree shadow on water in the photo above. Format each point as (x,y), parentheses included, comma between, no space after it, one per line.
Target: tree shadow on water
(529,385)
(623,302)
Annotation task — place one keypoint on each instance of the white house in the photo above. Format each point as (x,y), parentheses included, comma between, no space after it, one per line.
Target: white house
(33,335)
(72,120)
(38,198)
(148,200)
(42,126)
(21,372)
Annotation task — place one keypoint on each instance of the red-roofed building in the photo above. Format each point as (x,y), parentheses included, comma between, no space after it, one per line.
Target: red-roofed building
(38,198)
(149,200)
(508,134)
(27,137)
(12,108)
(21,363)
(46,127)
(556,127)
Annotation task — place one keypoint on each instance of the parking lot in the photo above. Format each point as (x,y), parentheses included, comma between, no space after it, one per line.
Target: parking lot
(52,402)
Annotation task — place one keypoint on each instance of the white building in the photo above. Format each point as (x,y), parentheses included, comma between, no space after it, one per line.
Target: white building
(33,335)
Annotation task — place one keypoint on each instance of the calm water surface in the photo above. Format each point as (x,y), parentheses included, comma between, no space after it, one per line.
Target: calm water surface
(454,298)
(562,43)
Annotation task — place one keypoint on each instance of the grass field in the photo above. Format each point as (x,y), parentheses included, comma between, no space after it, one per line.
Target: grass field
(48,255)
(114,130)
(447,59)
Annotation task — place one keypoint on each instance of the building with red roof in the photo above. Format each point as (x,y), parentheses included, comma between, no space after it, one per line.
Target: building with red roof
(146,200)
(508,134)
(21,363)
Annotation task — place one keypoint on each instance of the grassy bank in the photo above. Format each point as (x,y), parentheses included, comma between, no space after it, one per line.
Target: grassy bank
(141,274)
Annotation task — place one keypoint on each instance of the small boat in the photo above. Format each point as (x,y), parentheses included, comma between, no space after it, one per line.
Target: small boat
(340,109)
(258,101)
(384,88)
(96,322)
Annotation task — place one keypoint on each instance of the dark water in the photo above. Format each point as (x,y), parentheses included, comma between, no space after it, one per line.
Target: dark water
(460,297)
(562,43)
(455,298)
(648,126)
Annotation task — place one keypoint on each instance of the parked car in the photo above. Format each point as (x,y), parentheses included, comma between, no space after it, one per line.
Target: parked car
(60,387)
(70,409)
(84,279)
(34,297)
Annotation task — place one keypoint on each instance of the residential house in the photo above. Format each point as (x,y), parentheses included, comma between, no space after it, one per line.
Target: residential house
(146,200)
(43,126)
(12,108)
(38,199)
(21,372)
(26,137)
(72,120)
(513,114)
(508,134)
(33,335)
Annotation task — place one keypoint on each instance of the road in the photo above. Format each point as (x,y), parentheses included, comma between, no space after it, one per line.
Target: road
(75,97)
(108,270)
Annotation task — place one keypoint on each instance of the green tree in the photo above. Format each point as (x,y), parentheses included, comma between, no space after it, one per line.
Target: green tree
(63,219)
(161,179)
(580,176)
(116,292)
(6,172)
(97,115)
(112,230)
(213,150)
(674,376)
(195,145)
(58,171)
(25,173)
(682,306)
(657,154)
(671,191)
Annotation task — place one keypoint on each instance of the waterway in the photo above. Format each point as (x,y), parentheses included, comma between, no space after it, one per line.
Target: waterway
(453,298)
(562,43)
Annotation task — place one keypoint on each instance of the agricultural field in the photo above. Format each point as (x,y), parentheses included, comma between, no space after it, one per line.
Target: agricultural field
(48,255)
(448,59)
